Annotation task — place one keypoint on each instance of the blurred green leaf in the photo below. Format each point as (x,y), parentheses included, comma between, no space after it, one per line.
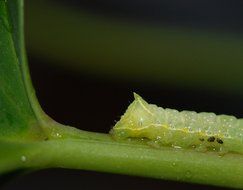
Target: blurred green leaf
(123,49)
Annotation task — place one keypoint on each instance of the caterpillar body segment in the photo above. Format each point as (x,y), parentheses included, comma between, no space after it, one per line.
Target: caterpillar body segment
(185,129)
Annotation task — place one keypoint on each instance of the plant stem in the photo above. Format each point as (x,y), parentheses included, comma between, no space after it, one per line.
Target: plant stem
(99,152)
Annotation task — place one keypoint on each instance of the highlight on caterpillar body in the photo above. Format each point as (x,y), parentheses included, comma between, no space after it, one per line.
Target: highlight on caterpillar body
(186,129)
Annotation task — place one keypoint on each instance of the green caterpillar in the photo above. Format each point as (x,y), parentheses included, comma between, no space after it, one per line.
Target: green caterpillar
(185,129)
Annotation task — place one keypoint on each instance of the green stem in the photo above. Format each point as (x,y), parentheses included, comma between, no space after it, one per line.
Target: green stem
(99,152)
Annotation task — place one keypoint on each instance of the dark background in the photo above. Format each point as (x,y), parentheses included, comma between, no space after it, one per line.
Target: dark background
(75,98)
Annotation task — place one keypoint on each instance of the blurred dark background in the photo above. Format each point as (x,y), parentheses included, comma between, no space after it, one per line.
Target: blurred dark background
(83,90)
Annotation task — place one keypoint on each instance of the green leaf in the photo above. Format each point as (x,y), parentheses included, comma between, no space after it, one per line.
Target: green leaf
(17,118)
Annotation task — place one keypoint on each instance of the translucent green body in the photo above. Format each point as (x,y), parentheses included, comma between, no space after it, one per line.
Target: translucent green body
(186,129)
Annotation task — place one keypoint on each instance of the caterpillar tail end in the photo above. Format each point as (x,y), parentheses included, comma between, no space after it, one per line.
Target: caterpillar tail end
(133,120)
(136,96)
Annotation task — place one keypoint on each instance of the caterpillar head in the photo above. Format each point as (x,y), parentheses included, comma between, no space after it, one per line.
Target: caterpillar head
(138,115)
